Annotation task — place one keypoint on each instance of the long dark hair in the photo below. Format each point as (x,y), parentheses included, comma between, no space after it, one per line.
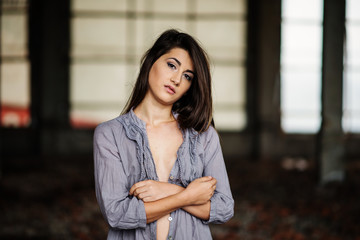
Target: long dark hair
(194,109)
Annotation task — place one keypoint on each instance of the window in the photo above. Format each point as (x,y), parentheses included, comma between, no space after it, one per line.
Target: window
(351,115)
(110,36)
(301,54)
(14,65)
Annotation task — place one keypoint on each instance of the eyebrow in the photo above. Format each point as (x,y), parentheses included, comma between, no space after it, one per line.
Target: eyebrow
(178,62)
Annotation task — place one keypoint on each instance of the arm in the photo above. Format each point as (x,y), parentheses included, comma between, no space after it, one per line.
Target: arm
(200,211)
(221,206)
(196,197)
(222,202)
(150,190)
(118,208)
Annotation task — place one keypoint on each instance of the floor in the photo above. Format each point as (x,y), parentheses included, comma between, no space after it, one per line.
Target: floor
(53,198)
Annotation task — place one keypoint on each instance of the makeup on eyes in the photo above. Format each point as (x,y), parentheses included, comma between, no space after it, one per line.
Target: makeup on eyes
(172,65)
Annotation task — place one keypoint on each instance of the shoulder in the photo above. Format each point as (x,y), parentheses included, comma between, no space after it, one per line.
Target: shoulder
(209,134)
(108,127)
(209,137)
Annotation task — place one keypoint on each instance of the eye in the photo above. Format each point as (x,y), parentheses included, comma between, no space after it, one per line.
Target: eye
(188,77)
(170,65)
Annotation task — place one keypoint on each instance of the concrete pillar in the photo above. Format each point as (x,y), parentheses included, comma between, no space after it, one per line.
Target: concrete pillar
(1,135)
(268,78)
(331,135)
(49,41)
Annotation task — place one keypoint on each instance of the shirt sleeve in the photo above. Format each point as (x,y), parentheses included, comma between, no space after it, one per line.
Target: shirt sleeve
(222,202)
(118,208)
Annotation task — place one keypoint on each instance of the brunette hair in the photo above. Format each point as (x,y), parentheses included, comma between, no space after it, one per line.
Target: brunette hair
(194,108)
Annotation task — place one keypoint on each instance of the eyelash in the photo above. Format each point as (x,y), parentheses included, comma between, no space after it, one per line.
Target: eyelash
(172,66)
(189,78)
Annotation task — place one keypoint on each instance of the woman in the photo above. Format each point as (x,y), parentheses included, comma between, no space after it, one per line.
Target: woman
(159,169)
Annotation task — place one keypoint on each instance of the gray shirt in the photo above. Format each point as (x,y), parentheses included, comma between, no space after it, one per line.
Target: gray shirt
(122,157)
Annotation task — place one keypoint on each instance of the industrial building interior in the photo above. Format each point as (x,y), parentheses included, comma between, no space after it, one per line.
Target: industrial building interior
(286,86)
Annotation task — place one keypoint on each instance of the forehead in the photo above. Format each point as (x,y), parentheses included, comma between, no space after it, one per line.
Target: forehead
(182,56)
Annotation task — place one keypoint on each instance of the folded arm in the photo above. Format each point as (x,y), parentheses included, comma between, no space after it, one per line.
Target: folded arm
(161,198)
(118,208)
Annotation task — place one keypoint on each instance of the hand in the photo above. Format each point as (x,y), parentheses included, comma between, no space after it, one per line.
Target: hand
(150,190)
(200,190)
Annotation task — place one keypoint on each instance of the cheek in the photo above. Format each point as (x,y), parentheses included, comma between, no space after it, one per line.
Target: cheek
(153,76)
(186,87)
(158,74)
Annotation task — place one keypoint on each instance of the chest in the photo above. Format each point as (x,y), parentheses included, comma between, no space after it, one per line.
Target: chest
(164,142)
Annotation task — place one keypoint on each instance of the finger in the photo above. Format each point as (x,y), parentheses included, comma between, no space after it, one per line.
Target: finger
(205,179)
(136,185)
(147,199)
(132,189)
(139,191)
(210,183)
(142,196)
(213,181)
(135,193)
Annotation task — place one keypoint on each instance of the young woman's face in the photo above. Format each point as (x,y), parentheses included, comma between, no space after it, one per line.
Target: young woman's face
(171,76)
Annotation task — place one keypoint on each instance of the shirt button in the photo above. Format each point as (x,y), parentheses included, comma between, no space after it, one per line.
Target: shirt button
(171,177)
(170,219)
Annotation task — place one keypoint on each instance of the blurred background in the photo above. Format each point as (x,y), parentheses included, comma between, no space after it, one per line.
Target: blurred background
(286,85)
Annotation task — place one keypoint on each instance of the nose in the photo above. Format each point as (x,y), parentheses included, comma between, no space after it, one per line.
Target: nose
(176,79)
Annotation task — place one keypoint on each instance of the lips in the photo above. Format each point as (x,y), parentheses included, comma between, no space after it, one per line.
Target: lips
(170,89)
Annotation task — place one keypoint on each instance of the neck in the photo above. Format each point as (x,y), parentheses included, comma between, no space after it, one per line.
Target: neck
(154,114)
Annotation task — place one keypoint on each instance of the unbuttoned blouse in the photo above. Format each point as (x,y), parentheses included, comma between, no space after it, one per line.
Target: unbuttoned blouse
(122,157)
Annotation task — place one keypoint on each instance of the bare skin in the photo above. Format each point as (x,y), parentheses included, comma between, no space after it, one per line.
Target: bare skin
(150,191)
(161,197)
(169,79)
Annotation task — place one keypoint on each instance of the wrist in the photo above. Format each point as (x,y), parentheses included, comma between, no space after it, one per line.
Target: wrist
(171,189)
(175,189)
(184,198)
